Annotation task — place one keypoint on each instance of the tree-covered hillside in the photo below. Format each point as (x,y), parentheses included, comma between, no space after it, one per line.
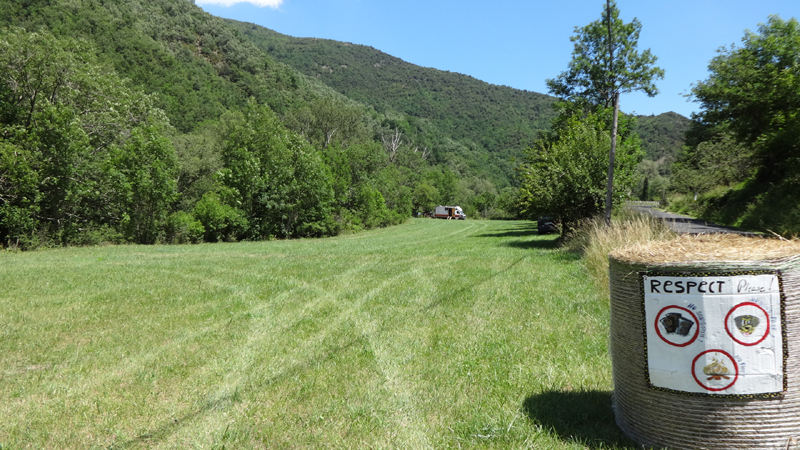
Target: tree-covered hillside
(662,135)
(500,120)
(247,133)
(198,66)
(662,139)
(476,117)
(245,148)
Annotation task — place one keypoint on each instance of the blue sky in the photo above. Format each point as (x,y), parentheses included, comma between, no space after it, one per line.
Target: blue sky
(520,43)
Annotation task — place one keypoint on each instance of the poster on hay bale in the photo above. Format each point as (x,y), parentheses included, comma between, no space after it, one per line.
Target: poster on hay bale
(715,334)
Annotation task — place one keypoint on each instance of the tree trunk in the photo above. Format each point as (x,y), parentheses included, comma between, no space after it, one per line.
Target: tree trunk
(610,184)
(615,97)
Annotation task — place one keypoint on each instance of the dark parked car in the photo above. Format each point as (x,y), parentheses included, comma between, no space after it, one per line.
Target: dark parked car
(546,225)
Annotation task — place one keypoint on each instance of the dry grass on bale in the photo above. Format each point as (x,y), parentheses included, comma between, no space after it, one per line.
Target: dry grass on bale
(708,248)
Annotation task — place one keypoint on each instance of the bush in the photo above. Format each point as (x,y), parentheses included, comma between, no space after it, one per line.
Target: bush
(220,221)
(96,235)
(184,228)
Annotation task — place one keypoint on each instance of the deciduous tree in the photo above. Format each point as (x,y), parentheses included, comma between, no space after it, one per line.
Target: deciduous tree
(754,91)
(79,148)
(606,63)
(564,177)
(275,177)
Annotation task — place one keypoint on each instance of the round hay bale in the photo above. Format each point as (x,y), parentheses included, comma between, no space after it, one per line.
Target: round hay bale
(699,406)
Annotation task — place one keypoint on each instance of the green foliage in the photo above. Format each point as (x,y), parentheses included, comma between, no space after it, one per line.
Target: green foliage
(199,66)
(662,135)
(218,221)
(454,115)
(329,119)
(148,168)
(184,228)
(564,177)
(721,161)
(371,207)
(652,182)
(198,161)
(80,149)
(754,90)
(605,63)
(276,178)
(741,166)
(90,161)
(426,198)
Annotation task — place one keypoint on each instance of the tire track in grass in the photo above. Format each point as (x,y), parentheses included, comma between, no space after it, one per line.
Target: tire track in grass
(409,428)
(238,368)
(268,326)
(238,378)
(125,370)
(423,236)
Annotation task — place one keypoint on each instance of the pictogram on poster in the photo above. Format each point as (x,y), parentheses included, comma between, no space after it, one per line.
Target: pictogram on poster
(715,334)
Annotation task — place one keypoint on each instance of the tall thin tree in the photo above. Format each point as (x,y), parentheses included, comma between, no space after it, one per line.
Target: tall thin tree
(606,63)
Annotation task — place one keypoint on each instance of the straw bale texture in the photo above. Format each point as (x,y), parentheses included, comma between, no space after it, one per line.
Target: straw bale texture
(660,419)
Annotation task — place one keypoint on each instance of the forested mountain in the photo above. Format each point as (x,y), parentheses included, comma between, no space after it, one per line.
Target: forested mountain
(662,135)
(153,121)
(500,120)
(662,139)
(198,66)
(466,121)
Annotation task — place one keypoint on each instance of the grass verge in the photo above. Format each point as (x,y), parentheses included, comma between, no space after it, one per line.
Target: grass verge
(594,240)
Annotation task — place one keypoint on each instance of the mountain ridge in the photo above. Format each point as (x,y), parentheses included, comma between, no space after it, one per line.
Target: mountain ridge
(500,119)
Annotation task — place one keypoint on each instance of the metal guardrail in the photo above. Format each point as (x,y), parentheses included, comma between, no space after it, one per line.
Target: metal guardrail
(639,203)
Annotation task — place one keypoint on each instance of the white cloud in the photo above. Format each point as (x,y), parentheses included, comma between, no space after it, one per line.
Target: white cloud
(270,3)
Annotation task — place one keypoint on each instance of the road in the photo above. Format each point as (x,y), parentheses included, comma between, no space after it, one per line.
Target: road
(688,225)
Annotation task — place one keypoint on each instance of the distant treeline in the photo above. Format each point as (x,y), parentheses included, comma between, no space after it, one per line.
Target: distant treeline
(85,157)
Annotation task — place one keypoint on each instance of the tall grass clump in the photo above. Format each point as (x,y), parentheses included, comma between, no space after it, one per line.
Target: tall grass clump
(595,240)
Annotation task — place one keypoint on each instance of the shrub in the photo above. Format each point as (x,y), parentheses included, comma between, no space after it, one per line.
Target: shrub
(221,222)
(184,228)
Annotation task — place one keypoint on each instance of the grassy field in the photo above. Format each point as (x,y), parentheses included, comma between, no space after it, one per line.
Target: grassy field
(433,334)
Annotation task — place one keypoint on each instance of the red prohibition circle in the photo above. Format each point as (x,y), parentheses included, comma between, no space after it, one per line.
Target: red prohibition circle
(728,330)
(735,367)
(696,329)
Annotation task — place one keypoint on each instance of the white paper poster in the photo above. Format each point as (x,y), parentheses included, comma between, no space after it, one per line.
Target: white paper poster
(719,334)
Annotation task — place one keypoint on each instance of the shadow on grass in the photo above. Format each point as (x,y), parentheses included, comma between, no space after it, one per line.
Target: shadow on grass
(524,231)
(549,244)
(576,416)
(459,293)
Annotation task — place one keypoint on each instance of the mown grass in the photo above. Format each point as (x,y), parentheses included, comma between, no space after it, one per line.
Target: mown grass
(433,334)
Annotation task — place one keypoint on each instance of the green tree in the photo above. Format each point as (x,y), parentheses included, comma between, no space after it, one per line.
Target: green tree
(81,149)
(198,161)
(606,63)
(652,182)
(754,91)
(328,119)
(719,161)
(426,197)
(219,221)
(275,177)
(563,177)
